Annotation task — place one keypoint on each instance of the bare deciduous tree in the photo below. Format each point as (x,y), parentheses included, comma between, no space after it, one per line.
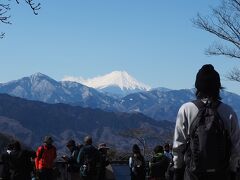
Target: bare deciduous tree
(5,7)
(224,22)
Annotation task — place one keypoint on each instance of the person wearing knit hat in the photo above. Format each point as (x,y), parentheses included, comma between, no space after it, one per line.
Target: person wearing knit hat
(206,122)
(208,83)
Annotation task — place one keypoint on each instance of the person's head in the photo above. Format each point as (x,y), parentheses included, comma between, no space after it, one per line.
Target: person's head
(208,83)
(16,145)
(71,144)
(167,147)
(102,147)
(10,146)
(88,140)
(48,140)
(136,149)
(158,149)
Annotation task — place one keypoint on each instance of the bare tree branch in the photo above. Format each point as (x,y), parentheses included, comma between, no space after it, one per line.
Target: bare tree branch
(225,24)
(5,8)
(34,7)
(2,35)
(219,50)
(234,75)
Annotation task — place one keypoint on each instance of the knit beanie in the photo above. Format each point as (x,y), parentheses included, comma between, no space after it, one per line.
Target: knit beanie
(207,79)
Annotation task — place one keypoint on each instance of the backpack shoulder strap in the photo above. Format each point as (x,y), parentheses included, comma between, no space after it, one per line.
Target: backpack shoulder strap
(202,108)
(199,103)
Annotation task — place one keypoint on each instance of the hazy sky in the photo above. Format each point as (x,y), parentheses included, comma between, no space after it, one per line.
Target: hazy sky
(153,40)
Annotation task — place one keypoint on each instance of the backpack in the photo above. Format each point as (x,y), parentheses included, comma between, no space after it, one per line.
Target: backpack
(85,168)
(208,143)
(89,165)
(138,166)
(73,166)
(159,165)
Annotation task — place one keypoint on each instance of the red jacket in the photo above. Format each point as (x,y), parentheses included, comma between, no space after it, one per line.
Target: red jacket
(45,157)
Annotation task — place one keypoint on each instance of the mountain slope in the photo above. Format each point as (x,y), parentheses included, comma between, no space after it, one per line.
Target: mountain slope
(164,105)
(159,103)
(33,120)
(43,88)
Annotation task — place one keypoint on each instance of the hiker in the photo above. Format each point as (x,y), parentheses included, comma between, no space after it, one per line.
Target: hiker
(137,164)
(104,161)
(88,159)
(20,162)
(158,164)
(167,151)
(5,171)
(73,166)
(46,155)
(206,133)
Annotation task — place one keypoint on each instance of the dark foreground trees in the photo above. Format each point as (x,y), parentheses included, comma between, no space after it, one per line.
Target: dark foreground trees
(5,8)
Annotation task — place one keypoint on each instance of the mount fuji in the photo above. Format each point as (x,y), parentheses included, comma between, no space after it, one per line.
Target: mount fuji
(118,83)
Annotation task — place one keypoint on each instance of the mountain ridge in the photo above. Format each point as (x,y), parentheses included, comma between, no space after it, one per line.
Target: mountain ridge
(30,121)
(158,103)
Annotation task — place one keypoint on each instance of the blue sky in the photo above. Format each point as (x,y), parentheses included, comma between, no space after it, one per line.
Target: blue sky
(153,40)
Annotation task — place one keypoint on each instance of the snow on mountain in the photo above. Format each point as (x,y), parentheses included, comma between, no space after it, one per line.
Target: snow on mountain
(43,88)
(116,82)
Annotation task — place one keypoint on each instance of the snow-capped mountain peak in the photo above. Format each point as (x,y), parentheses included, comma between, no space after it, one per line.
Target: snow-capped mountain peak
(116,78)
(113,82)
(39,76)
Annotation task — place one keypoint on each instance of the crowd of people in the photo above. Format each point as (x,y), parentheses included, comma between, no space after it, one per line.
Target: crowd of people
(84,162)
(206,146)
(159,167)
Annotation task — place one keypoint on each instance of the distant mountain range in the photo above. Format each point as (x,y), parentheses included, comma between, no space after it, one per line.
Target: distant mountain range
(30,121)
(43,88)
(158,103)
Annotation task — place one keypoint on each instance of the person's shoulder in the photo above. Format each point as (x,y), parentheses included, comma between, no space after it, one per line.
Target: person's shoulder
(41,147)
(226,107)
(92,148)
(153,159)
(53,148)
(187,106)
(87,148)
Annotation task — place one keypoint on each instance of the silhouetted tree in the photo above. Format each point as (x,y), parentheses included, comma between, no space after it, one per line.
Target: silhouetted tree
(224,22)
(5,7)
